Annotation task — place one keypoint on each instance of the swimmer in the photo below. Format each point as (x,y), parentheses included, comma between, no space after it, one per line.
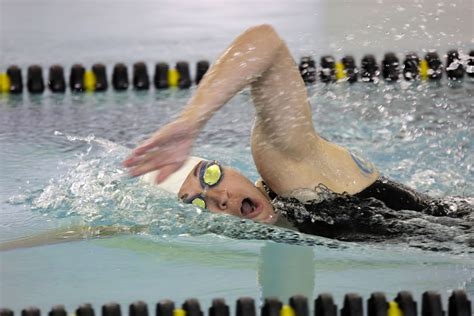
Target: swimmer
(306,181)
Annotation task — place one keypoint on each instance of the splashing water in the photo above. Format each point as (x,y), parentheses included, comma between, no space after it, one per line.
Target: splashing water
(96,191)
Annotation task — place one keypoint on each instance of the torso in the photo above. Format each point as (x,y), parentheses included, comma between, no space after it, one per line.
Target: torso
(385,211)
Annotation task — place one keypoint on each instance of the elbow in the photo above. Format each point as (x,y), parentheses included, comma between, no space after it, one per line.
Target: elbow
(266,32)
(264,28)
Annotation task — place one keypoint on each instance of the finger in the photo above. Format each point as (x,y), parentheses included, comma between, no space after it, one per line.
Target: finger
(176,153)
(161,138)
(149,144)
(171,133)
(134,160)
(130,161)
(162,156)
(153,144)
(165,172)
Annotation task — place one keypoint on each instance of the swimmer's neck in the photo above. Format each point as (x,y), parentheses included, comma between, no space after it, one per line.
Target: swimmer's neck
(259,185)
(278,219)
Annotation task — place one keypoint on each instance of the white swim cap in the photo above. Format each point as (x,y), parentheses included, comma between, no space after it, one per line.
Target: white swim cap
(173,183)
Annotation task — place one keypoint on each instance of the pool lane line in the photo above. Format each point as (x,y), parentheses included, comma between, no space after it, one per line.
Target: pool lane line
(377,305)
(413,68)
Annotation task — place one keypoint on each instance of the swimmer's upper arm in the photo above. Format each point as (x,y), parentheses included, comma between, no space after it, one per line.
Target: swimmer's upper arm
(283,116)
(288,152)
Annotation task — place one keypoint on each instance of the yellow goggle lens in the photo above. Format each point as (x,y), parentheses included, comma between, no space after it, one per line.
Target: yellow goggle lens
(212,175)
(199,202)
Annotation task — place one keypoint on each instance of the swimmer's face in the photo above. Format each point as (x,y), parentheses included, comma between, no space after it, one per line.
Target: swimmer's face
(234,194)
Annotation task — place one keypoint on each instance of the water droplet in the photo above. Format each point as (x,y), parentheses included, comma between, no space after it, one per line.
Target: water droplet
(399,36)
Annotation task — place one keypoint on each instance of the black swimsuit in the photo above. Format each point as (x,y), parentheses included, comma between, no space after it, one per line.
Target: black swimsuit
(386,210)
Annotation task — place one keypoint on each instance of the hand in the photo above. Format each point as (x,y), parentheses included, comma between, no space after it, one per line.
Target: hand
(166,150)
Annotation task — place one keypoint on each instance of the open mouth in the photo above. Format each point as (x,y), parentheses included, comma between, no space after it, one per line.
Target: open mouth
(249,209)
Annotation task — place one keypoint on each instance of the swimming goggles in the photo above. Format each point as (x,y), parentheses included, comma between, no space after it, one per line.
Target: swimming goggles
(210,174)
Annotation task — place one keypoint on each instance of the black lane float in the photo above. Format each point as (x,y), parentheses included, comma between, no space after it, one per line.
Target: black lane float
(369,70)
(141,81)
(35,82)
(201,68)
(76,78)
(307,68)
(100,73)
(391,67)
(184,77)
(298,305)
(327,71)
(470,64)
(16,80)
(330,70)
(435,66)
(120,77)
(411,67)
(454,68)
(348,69)
(56,80)
(161,76)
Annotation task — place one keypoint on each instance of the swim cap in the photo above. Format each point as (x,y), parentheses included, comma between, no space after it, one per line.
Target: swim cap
(173,183)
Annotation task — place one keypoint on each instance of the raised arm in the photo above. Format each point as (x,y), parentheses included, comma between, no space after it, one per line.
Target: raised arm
(288,153)
(257,53)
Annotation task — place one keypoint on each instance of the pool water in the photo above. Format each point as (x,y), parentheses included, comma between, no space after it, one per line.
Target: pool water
(60,168)
(58,172)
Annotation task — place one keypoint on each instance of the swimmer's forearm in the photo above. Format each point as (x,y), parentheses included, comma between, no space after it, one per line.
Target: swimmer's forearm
(68,234)
(243,62)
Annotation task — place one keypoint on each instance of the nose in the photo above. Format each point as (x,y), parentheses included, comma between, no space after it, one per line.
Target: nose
(219,197)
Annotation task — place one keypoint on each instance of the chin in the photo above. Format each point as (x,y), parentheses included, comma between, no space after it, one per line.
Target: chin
(270,218)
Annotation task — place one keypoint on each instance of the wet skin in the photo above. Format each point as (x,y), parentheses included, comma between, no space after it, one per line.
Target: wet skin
(233,195)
